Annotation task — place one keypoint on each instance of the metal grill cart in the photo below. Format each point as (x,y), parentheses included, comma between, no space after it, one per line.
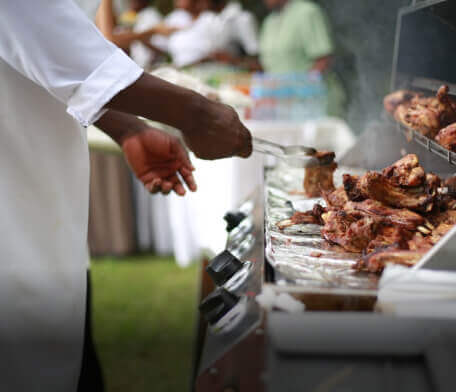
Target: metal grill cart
(339,343)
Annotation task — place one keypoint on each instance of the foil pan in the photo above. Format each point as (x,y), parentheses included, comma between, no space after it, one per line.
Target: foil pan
(298,254)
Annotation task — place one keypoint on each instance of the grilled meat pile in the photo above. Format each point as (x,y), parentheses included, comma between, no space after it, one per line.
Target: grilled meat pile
(395,216)
(434,117)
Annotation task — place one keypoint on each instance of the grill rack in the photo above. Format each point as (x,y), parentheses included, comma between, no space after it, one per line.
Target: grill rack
(431,145)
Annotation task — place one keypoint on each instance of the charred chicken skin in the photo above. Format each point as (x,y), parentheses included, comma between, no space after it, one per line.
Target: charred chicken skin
(447,137)
(406,172)
(401,218)
(378,187)
(393,100)
(423,119)
(308,217)
(336,199)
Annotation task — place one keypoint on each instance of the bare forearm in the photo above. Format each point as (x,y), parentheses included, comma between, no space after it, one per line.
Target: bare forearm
(124,39)
(210,129)
(105,19)
(120,125)
(160,101)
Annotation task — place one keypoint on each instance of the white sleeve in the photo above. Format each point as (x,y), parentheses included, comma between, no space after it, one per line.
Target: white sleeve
(55,45)
(247,32)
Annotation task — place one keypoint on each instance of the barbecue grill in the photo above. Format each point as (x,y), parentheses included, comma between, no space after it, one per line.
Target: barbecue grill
(339,343)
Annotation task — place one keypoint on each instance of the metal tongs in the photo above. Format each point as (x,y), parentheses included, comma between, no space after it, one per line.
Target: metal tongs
(296,156)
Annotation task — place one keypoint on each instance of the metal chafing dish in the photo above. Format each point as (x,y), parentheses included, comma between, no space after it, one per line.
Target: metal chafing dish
(338,343)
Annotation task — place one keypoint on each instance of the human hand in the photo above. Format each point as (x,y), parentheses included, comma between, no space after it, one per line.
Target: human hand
(157,158)
(217,132)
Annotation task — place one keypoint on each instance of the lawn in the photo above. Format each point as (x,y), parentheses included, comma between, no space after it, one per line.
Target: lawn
(144,314)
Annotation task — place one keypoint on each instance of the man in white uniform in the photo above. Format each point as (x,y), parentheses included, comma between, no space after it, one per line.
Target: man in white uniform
(57,73)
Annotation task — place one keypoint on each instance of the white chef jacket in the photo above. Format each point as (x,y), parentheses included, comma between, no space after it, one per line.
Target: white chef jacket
(56,72)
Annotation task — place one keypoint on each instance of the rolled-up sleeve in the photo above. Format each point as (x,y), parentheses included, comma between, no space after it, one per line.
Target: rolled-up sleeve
(55,45)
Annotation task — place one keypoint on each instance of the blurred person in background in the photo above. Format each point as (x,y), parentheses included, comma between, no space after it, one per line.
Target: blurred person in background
(222,31)
(56,79)
(236,34)
(107,22)
(144,17)
(194,44)
(181,17)
(295,37)
(186,45)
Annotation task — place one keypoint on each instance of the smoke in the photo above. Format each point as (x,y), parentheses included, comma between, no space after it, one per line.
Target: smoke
(364,32)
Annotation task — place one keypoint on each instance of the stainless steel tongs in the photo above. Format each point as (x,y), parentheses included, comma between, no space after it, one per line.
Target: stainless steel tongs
(296,156)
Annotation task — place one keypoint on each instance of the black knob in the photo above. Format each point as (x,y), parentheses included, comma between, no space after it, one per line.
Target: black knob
(223,267)
(217,304)
(233,219)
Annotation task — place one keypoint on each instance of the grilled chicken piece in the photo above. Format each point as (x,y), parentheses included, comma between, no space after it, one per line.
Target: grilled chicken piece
(401,112)
(444,106)
(351,233)
(427,115)
(401,218)
(318,179)
(308,217)
(336,199)
(406,172)
(377,187)
(447,137)
(422,119)
(375,262)
(352,188)
(400,97)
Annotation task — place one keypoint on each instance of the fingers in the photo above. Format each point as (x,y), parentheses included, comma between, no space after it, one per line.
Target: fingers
(172,184)
(166,187)
(179,189)
(154,185)
(189,180)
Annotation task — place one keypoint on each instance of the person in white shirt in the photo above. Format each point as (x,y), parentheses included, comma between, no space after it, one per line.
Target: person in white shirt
(180,18)
(193,45)
(106,21)
(57,77)
(237,33)
(222,32)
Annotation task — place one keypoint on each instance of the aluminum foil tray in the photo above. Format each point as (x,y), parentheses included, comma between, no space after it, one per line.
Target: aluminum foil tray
(298,254)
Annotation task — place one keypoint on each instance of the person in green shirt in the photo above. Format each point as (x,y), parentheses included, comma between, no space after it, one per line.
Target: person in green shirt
(295,37)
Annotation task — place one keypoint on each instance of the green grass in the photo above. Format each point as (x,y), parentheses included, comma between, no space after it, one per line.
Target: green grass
(144,314)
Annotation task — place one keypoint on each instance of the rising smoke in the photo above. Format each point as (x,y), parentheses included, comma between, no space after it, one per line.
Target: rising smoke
(364,31)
